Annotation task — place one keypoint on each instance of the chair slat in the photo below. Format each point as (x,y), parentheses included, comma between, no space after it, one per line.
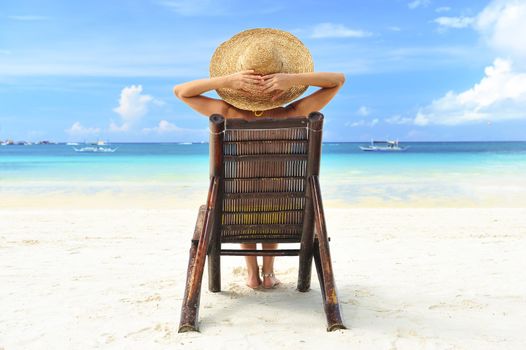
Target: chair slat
(267,123)
(263,217)
(264,168)
(261,233)
(265,147)
(265,157)
(262,204)
(261,239)
(264,195)
(291,184)
(266,134)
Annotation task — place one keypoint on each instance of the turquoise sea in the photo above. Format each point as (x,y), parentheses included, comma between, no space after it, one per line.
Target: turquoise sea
(426,174)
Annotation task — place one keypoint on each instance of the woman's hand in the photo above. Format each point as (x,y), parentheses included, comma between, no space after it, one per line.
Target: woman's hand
(244,80)
(278,83)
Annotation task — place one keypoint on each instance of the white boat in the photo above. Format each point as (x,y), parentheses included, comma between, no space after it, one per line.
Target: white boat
(96,149)
(384,146)
(72,143)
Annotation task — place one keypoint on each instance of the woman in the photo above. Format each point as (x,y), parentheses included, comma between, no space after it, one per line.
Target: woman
(269,52)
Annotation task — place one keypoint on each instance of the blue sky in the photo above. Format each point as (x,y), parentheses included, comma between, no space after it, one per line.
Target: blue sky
(415,69)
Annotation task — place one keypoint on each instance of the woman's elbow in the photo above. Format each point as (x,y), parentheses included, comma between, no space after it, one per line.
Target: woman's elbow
(177,92)
(340,79)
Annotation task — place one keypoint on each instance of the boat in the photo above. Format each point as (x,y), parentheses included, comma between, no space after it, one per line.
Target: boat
(72,143)
(384,146)
(94,149)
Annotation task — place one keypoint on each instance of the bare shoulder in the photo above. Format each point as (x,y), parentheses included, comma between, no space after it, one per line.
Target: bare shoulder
(278,112)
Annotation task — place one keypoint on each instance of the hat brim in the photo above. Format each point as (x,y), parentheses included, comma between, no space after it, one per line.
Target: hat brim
(296,59)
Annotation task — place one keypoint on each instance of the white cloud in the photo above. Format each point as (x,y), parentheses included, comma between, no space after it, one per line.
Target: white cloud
(500,95)
(394,28)
(133,105)
(362,122)
(163,127)
(398,119)
(219,8)
(455,22)
(193,7)
(331,30)
(503,24)
(28,18)
(169,131)
(79,129)
(443,9)
(364,111)
(418,3)
(500,24)
(114,127)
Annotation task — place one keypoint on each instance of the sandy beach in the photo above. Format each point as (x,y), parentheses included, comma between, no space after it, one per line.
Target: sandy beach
(433,278)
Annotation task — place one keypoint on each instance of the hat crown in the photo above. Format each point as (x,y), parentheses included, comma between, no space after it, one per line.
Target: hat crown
(263,58)
(266,51)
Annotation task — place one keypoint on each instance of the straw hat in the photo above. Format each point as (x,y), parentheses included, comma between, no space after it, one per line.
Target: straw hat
(266,51)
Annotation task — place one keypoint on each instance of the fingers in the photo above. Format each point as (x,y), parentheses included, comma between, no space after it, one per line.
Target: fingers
(251,87)
(252,79)
(270,86)
(269,76)
(250,73)
(278,95)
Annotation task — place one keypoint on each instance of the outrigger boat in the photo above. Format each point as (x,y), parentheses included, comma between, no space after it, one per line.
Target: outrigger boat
(95,149)
(384,146)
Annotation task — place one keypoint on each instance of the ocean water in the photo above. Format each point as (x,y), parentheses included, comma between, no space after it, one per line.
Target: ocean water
(427,173)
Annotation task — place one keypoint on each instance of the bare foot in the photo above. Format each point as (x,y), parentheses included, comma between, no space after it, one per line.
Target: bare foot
(253,281)
(270,281)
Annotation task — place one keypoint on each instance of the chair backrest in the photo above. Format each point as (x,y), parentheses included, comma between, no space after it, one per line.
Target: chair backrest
(264,168)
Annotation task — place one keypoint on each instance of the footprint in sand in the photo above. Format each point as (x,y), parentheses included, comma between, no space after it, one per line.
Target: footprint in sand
(362,293)
(149,299)
(465,304)
(165,329)
(109,338)
(239,271)
(30,241)
(235,291)
(137,332)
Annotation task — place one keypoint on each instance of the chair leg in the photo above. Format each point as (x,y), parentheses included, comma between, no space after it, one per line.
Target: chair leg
(194,277)
(323,262)
(328,288)
(306,250)
(305,270)
(190,308)
(214,266)
(319,272)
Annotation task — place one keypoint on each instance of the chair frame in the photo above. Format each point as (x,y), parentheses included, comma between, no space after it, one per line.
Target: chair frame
(206,241)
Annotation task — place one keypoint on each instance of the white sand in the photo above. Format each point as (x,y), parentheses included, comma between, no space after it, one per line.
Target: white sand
(407,279)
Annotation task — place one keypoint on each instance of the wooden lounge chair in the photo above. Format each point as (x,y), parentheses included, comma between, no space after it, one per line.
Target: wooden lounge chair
(263,188)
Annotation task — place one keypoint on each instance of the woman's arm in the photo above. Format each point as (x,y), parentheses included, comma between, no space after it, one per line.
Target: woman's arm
(329,83)
(191,92)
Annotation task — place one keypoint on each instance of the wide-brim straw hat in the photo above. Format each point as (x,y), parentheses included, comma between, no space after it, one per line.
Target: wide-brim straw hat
(266,51)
